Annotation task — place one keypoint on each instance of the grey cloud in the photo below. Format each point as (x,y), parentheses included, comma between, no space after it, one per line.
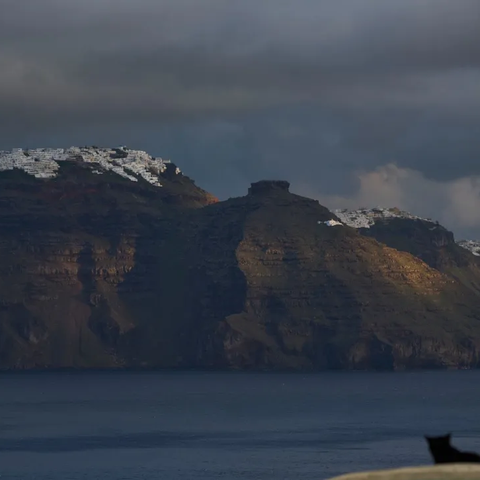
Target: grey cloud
(313,91)
(212,55)
(438,31)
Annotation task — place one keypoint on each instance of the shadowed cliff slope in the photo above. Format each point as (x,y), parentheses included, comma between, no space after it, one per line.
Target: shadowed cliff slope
(66,246)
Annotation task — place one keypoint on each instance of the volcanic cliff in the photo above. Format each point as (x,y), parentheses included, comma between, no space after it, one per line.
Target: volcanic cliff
(112,258)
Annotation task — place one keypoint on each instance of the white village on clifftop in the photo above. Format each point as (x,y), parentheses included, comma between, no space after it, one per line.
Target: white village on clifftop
(43,162)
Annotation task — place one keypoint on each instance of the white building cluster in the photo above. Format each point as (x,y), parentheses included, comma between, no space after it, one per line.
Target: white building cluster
(332,223)
(44,162)
(472,245)
(366,217)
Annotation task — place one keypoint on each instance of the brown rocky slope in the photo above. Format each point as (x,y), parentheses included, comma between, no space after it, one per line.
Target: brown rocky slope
(98,271)
(430,242)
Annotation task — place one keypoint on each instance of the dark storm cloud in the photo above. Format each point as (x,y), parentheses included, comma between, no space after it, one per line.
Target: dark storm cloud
(323,93)
(183,56)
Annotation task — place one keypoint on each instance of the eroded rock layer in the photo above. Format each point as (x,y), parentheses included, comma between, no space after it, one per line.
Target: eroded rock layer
(101,271)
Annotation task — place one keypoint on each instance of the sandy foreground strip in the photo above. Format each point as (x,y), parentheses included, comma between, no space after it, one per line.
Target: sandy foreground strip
(457,471)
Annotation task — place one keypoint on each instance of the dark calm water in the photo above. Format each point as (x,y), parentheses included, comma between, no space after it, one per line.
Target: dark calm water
(168,426)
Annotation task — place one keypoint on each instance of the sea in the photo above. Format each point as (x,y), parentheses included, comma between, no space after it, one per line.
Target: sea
(229,426)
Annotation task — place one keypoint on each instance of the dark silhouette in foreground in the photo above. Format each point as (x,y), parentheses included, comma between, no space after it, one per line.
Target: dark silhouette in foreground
(443,452)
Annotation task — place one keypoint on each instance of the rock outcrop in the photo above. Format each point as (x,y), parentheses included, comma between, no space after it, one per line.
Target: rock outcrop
(98,270)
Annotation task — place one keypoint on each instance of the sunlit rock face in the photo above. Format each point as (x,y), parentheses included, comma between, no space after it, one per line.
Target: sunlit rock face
(422,237)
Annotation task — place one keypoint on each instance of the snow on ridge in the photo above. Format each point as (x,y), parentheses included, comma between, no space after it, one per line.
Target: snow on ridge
(471,245)
(44,162)
(366,217)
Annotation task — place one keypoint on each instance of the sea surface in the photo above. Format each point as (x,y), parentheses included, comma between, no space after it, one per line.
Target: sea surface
(171,425)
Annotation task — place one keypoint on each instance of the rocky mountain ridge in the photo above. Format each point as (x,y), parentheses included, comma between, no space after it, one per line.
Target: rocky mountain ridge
(98,270)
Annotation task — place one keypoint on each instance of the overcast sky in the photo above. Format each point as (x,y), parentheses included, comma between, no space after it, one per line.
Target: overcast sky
(355,102)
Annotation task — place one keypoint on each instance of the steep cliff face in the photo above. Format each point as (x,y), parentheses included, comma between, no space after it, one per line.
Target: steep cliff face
(98,270)
(67,245)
